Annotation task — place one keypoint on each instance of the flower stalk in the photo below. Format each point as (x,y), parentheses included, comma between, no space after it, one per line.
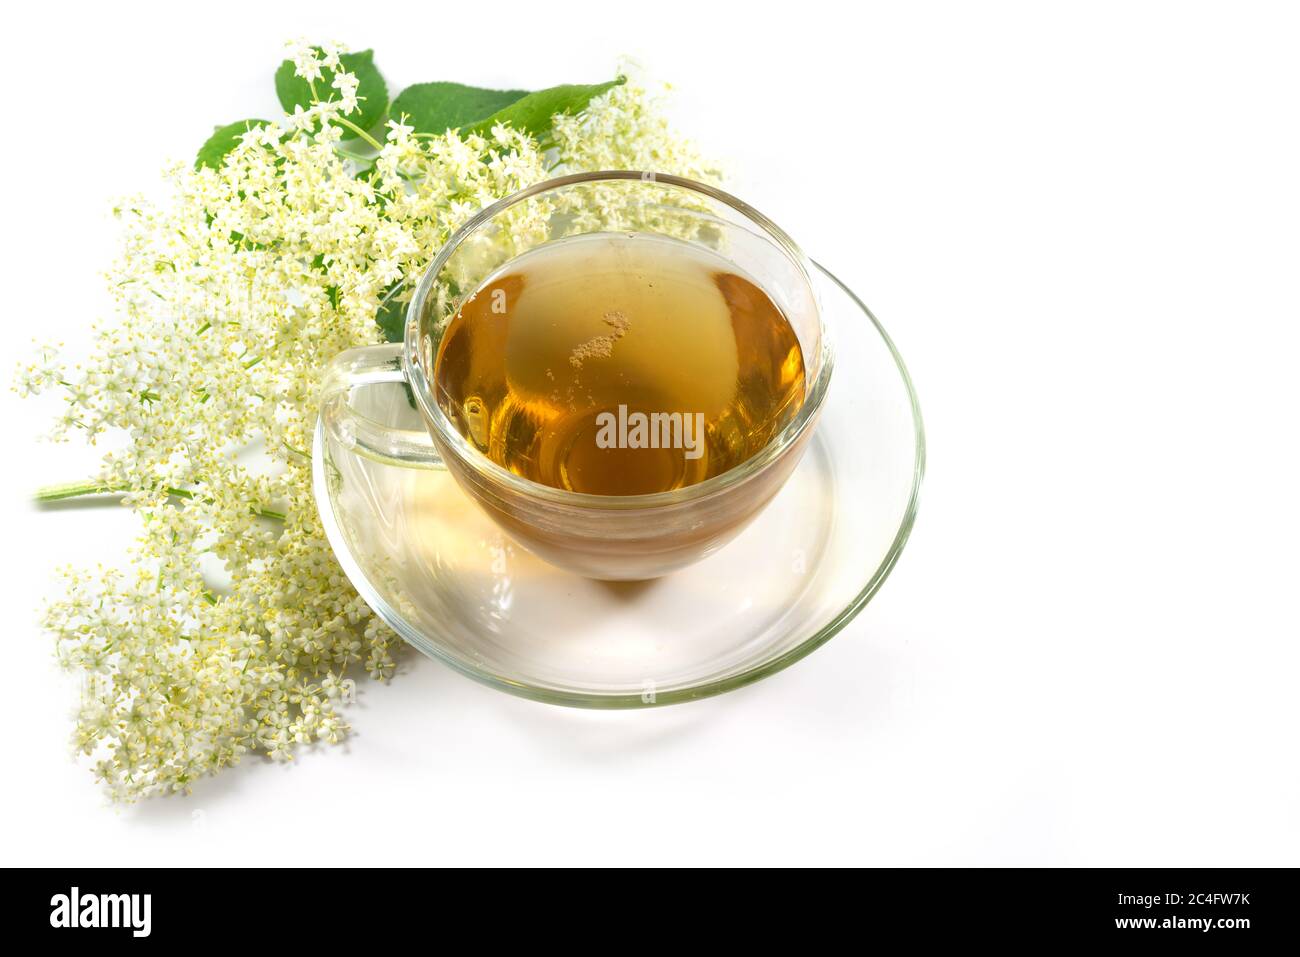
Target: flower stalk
(67,490)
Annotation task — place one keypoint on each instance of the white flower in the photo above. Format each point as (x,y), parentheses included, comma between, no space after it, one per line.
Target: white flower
(346,84)
(301,120)
(331,52)
(306,63)
(399,134)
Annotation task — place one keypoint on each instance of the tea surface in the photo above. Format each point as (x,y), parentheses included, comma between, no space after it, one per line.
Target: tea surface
(619,364)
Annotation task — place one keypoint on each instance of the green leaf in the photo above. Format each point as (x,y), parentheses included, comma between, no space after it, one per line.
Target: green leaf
(392,322)
(533,112)
(392,319)
(372,91)
(438,107)
(225,139)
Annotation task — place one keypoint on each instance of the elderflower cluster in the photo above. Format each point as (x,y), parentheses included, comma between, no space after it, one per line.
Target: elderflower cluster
(231,628)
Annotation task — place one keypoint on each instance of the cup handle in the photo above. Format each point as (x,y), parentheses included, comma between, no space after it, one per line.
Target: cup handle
(371,365)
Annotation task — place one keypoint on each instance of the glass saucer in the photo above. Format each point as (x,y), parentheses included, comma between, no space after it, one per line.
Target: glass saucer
(453,585)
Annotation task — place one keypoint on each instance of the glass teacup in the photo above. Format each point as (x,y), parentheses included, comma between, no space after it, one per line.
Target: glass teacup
(612,537)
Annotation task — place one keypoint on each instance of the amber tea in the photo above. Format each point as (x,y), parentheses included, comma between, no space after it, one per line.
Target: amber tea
(619,364)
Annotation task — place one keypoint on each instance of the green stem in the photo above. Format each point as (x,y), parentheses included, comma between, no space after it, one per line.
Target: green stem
(344,121)
(56,493)
(66,490)
(348,154)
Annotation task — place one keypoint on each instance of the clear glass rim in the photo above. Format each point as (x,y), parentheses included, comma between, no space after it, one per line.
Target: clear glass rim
(476,461)
(411,635)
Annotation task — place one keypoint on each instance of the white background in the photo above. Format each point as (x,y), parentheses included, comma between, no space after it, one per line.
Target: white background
(1081,226)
